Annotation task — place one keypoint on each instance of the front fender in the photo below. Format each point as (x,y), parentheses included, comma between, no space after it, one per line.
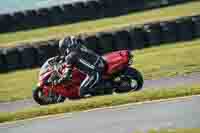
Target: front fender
(38,85)
(41,87)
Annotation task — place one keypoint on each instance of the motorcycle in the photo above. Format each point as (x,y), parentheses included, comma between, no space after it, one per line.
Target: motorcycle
(118,77)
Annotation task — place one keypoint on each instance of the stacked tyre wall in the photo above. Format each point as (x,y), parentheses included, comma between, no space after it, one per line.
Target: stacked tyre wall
(132,37)
(76,12)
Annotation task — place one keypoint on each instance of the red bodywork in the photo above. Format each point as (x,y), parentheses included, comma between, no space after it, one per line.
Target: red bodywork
(116,61)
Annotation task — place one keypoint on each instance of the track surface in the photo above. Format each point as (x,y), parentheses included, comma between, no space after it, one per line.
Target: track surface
(161,83)
(126,119)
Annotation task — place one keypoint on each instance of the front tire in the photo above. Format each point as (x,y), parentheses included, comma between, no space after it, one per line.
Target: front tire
(130,80)
(41,99)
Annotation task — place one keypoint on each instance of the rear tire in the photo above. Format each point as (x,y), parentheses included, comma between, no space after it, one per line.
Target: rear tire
(41,99)
(132,77)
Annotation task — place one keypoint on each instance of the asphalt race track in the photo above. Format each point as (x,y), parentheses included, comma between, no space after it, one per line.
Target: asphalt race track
(125,119)
(160,83)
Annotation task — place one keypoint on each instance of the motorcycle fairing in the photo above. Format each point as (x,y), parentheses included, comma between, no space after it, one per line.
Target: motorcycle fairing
(116,61)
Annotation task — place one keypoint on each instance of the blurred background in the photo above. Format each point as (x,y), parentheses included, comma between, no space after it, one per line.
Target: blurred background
(8,6)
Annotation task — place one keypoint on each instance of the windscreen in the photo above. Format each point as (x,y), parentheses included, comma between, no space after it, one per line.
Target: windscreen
(44,68)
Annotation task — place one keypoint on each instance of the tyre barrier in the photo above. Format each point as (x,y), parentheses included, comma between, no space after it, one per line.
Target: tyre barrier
(76,12)
(132,37)
(6,23)
(18,20)
(185,28)
(45,50)
(105,42)
(122,40)
(2,62)
(12,58)
(30,19)
(43,17)
(28,56)
(168,31)
(152,34)
(196,23)
(42,55)
(55,15)
(93,9)
(137,35)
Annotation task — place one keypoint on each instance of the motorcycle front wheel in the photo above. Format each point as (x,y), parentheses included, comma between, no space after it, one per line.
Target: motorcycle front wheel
(130,80)
(41,99)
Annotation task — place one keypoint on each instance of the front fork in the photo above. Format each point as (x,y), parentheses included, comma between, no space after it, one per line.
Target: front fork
(47,91)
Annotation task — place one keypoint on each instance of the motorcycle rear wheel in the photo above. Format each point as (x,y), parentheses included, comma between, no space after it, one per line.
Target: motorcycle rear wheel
(41,99)
(131,80)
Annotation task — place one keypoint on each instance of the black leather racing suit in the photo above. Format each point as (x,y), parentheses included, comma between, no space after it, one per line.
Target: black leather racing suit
(87,62)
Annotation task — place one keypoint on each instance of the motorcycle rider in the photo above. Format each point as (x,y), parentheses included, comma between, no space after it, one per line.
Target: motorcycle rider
(85,60)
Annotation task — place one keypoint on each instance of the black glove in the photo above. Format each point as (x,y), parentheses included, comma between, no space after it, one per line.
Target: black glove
(57,58)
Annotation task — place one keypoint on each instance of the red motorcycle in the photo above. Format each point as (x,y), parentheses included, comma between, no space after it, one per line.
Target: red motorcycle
(118,77)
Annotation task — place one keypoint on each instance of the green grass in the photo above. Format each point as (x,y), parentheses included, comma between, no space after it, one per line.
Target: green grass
(101,101)
(10,39)
(164,61)
(182,130)
(17,85)
(169,60)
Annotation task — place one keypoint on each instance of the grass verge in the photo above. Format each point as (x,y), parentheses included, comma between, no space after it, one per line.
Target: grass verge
(10,39)
(164,61)
(169,60)
(101,101)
